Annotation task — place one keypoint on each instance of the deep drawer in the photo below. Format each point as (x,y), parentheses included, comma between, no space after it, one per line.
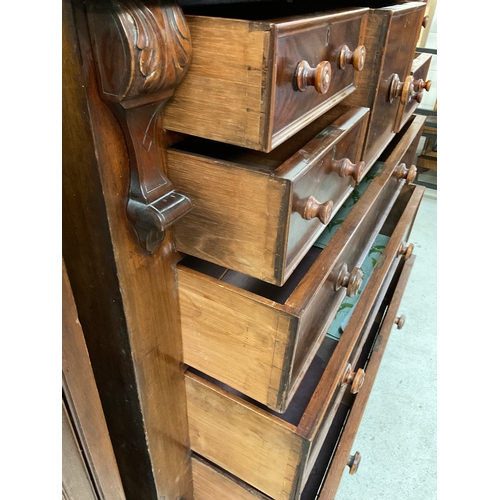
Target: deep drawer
(259,213)
(391,38)
(276,453)
(248,84)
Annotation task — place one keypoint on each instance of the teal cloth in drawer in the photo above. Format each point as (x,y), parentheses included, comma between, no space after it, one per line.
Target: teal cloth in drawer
(347,307)
(344,210)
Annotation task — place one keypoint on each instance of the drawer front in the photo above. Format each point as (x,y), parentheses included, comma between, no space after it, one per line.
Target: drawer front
(250,210)
(401,38)
(414,87)
(313,45)
(241,87)
(275,453)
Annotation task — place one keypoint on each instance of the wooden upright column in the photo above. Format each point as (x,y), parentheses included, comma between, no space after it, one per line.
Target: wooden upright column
(117,211)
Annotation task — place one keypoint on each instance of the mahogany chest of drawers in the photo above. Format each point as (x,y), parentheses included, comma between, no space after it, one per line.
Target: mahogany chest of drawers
(286,164)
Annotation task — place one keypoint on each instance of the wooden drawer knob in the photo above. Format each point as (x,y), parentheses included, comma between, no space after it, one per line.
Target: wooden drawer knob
(422,84)
(425,21)
(356,379)
(319,77)
(309,208)
(410,174)
(346,168)
(356,58)
(404,90)
(404,250)
(351,280)
(400,321)
(353,462)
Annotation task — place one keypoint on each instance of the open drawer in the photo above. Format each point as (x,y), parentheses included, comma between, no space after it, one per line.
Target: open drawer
(259,75)
(276,453)
(259,338)
(210,482)
(259,213)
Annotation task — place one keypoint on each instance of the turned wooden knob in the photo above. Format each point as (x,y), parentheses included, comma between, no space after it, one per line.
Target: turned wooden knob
(356,58)
(346,168)
(425,21)
(319,77)
(309,208)
(400,321)
(410,174)
(404,90)
(422,84)
(404,250)
(353,462)
(351,280)
(356,379)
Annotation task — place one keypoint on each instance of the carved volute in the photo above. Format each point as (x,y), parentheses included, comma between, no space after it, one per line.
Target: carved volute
(142,52)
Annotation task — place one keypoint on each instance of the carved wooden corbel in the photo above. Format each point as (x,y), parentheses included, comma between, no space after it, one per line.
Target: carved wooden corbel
(142,52)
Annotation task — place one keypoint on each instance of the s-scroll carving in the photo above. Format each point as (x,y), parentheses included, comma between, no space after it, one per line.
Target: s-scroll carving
(142,52)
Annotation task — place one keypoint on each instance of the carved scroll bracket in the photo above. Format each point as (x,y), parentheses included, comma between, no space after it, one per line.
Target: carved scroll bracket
(142,52)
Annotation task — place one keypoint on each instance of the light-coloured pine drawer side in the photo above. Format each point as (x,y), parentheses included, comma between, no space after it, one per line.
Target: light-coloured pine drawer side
(257,439)
(211,312)
(223,99)
(238,213)
(210,483)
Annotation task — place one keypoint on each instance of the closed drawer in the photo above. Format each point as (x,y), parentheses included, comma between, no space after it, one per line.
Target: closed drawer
(391,38)
(210,482)
(259,213)
(276,453)
(259,338)
(248,83)
(415,85)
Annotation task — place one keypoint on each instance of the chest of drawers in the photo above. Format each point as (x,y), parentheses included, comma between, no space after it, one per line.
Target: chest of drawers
(210,345)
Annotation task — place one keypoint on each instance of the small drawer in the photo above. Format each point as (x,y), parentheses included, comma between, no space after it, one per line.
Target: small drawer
(391,38)
(276,453)
(254,82)
(259,338)
(259,213)
(414,87)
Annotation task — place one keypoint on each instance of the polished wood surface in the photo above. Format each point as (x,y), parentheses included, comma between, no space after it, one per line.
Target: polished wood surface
(391,37)
(89,465)
(257,104)
(259,213)
(127,299)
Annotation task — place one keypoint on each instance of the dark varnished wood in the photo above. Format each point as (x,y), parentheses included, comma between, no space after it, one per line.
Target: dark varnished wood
(83,414)
(127,300)
(391,38)
(142,52)
(323,42)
